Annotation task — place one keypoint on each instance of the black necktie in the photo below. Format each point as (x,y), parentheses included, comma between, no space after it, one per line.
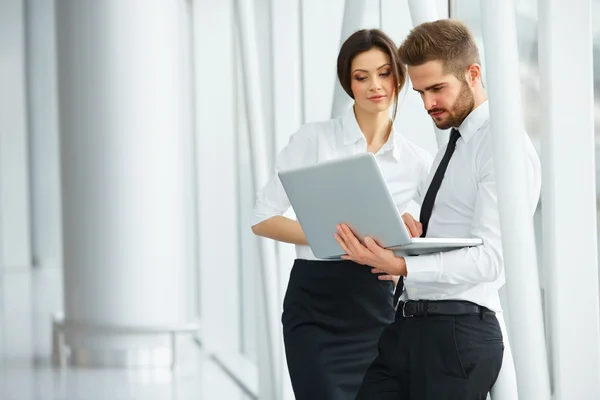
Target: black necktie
(436,182)
(427,206)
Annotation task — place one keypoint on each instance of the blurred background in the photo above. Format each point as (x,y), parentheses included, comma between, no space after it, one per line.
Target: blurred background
(133,137)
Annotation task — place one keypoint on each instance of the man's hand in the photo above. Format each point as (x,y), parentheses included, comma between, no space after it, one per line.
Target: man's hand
(383,260)
(415,228)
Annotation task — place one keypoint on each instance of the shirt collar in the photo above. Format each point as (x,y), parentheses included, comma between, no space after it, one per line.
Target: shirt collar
(352,134)
(351,131)
(393,144)
(474,121)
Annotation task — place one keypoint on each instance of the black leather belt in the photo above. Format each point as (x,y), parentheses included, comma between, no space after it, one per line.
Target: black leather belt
(424,308)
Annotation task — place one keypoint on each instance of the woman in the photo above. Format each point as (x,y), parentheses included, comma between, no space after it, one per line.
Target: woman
(334,311)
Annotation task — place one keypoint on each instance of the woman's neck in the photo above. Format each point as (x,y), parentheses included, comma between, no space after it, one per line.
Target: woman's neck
(376,127)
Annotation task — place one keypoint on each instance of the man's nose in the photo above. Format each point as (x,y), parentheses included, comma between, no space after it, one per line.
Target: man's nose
(429,102)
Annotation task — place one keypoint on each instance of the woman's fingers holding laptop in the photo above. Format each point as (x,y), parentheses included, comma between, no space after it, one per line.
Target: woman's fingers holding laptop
(415,228)
(393,278)
(384,275)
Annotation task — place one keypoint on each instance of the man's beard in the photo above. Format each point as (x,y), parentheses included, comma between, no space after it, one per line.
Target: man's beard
(462,107)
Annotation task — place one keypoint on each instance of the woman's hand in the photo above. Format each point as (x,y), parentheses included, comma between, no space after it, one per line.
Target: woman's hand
(385,277)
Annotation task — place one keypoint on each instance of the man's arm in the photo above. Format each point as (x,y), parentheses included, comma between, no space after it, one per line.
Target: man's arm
(482,263)
(472,264)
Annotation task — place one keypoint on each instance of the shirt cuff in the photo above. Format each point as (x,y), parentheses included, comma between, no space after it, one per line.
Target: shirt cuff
(425,268)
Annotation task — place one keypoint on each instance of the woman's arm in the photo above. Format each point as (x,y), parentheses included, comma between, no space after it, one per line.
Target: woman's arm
(272,201)
(282,229)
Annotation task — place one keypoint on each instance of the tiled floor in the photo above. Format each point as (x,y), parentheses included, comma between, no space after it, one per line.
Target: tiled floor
(26,303)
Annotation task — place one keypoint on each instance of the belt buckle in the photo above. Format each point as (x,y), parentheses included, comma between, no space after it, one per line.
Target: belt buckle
(404,311)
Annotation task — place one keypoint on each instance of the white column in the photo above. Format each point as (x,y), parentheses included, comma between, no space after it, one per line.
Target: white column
(321,25)
(422,11)
(126,143)
(354,14)
(287,112)
(44,162)
(425,11)
(269,360)
(287,94)
(14,170)
(524,302)
(569,196)
(218,188)
(412,119)
(451,6)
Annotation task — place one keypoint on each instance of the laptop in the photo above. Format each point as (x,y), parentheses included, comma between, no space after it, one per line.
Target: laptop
(352,190)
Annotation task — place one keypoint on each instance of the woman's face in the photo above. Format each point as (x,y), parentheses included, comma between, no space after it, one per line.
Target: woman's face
(372,81)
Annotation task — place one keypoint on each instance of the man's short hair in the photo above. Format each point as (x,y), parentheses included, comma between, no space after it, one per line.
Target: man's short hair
(447,40)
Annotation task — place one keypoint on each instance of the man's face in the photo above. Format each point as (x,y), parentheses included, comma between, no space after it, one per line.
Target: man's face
(447,99)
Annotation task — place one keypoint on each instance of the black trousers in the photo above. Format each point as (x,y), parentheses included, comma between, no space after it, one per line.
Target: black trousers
(435,358)
(333,315)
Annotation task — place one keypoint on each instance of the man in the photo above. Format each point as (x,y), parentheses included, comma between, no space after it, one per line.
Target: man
(446,342)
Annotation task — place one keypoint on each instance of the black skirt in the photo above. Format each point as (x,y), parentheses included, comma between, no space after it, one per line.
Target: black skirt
(333,315)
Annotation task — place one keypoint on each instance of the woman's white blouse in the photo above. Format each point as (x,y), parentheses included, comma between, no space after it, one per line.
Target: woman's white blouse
(403,165)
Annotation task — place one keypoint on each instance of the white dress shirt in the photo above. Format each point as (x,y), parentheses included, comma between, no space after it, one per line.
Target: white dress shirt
(403,164)
(467,206)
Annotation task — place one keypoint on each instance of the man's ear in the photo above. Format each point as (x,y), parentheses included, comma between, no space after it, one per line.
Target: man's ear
(473,73)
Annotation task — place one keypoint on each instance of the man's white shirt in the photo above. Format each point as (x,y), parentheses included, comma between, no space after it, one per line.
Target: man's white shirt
(467,206)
